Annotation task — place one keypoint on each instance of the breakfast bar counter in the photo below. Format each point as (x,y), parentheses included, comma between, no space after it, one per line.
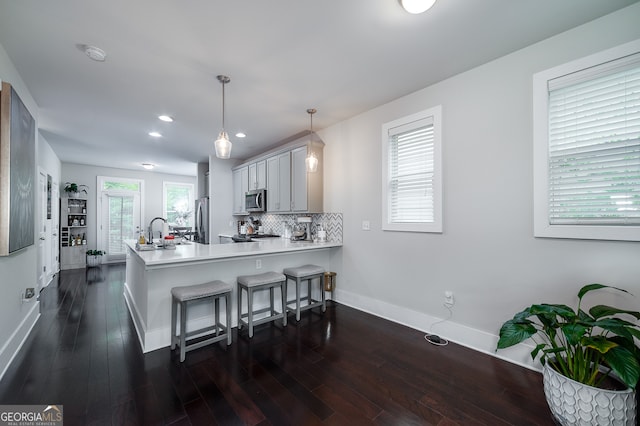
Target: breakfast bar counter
(150,275)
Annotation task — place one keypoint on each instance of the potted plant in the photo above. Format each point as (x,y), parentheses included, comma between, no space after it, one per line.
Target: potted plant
(73,190)
(94,257)
(580,352)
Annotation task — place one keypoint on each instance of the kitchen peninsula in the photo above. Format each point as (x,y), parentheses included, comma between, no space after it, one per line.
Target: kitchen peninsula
(150,275)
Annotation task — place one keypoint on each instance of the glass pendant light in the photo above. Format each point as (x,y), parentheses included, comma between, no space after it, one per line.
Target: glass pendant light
(223,144)
(312,160)
(417,6)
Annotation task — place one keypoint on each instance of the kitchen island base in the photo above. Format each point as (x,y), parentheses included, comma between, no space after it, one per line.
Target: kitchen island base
(147,289)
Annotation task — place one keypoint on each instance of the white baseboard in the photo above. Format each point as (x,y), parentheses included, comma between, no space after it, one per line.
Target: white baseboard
(12,346)
(135,315)
(472,338)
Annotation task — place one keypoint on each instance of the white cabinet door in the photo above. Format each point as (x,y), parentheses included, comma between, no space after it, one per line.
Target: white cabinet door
(258,175)
(240,187)
(253,176)
(279,183)
(299,180)
(261,174)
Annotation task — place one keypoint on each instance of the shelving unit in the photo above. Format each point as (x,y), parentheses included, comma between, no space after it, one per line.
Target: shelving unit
(73,233)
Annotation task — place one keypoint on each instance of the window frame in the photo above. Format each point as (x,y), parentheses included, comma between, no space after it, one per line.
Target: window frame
(435,115)
(542,227)
(192,194)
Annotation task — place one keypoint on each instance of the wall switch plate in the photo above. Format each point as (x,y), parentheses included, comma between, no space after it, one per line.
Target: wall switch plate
(366,225)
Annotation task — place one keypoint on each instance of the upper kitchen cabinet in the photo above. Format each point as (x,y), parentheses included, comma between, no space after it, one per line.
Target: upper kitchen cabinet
(283,172)
(279,182)
(306,187)
(240,187)
(258,175)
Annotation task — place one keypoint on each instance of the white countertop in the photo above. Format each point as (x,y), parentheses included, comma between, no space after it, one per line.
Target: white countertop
(195,252)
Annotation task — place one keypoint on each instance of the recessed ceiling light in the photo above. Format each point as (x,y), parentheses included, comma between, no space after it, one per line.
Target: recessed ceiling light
(95,53)
(166,118)
(155,134)
(148,166)
(240,135)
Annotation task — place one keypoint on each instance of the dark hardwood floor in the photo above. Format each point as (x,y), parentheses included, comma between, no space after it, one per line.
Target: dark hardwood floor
(341,368)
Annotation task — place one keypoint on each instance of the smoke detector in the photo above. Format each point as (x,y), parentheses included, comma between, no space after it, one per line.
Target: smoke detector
(94,53)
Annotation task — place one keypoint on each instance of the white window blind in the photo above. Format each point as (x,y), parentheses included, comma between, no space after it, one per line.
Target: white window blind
(594,145)
(411,171)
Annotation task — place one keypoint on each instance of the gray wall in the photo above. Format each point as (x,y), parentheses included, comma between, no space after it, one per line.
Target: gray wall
(18,271)
(487,254)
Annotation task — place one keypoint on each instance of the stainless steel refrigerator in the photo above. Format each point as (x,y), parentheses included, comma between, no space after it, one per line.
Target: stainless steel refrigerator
(202,221)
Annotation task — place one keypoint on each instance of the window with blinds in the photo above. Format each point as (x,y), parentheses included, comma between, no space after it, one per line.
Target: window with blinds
(594,145)
(411,179)
(590,145)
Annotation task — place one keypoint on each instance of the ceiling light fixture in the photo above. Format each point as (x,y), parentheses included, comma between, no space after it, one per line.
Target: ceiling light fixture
(148,166)
(417,6)
(166,118)
(223,144)
(155,134)
(311,161)
(95,53)
(241,135)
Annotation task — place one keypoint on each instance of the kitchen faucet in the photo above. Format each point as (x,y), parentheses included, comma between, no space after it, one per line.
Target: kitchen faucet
(151,228)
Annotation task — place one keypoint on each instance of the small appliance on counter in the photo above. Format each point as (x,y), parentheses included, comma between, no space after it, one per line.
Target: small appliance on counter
(302,229)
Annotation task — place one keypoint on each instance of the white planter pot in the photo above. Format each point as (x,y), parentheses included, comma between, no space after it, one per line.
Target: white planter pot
(574,403)
(93,260)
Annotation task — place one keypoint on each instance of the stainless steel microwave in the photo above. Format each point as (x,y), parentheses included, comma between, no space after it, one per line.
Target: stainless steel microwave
(256,201)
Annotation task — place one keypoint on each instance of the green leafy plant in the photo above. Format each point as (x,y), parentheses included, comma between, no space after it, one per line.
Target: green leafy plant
(70,187)
(95,252)
(576,343)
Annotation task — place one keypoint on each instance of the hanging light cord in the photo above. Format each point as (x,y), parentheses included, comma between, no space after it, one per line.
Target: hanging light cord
(223,84)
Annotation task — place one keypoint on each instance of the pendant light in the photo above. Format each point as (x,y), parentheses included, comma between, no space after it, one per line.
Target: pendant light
(223,144)
(417,6)
(311,161)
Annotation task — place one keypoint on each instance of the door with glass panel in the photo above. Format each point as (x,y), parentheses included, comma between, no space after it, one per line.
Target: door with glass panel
(120,215)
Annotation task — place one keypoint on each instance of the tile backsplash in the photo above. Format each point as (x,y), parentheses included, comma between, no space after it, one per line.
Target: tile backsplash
(275,223)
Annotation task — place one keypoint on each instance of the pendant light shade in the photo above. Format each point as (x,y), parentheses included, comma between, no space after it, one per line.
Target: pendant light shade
(312,160)
(223,144)
(417,6)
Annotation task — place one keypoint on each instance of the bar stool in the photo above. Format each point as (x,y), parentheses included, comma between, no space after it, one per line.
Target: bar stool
(306,273)
(182,296)
(259,282)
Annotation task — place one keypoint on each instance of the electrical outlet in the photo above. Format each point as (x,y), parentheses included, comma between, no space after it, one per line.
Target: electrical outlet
(448,298)
(258,263)
(366,225)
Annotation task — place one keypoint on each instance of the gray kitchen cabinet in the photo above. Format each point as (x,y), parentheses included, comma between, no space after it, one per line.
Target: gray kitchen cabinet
(306,187)
(258,175)
(240,187)
(279,183)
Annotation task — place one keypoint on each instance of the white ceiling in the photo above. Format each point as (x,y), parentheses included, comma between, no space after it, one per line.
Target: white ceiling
(342,57)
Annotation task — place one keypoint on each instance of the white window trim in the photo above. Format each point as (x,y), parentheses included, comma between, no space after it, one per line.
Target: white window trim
(542,228)
(165,184)
(435,113)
